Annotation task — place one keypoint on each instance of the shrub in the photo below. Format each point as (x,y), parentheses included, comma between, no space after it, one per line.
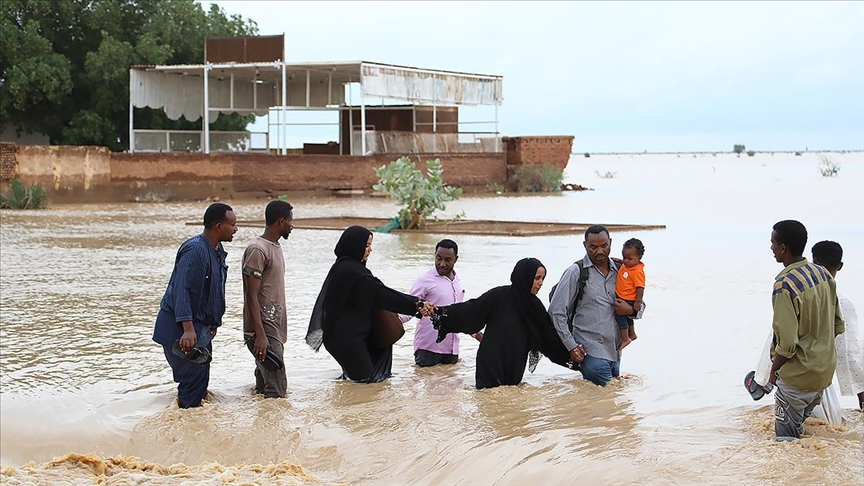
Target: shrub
(20,196)
(418,196)
(751,153)
(587,155)
(606,175)
(827,166)
(738,148)
(537,178)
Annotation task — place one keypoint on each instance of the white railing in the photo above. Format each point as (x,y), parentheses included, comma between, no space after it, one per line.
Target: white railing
(192,141)
(394,142)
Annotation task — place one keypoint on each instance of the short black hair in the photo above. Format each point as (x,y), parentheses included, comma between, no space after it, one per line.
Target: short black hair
(829,254)
(215,214)
(445,243)
(793,234)
(276,209)
(596,229)
(637,245)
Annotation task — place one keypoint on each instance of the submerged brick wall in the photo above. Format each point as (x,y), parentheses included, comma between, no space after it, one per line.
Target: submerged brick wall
(8,161)
(539,150)
(85,174)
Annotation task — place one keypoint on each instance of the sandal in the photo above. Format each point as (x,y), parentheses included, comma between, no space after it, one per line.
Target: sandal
(756,390)
(197,354)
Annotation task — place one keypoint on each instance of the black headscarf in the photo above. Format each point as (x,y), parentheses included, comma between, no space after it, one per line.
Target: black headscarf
(346,271)
(534,315)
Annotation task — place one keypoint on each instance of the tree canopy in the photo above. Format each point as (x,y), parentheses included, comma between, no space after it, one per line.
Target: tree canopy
(64,64)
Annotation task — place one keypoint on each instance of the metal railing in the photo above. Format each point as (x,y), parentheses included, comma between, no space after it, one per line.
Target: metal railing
(192,141)
(397,142)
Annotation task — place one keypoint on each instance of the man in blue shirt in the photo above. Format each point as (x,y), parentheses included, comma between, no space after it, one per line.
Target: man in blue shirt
(194,302)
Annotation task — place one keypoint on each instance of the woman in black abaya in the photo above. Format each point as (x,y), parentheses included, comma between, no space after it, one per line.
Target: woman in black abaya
(518,328)
(342,317)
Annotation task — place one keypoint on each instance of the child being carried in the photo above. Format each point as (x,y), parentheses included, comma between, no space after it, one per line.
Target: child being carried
(630,286)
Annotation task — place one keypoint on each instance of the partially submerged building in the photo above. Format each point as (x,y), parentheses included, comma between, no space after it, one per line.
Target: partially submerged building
(399,110)
(377,112)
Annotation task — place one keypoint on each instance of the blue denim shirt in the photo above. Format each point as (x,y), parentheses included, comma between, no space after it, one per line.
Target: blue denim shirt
(196,290)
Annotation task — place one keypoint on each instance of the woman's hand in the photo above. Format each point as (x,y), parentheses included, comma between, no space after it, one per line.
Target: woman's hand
(426,308)
(577,354)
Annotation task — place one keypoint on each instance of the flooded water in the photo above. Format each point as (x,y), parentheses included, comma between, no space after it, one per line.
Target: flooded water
(87,396)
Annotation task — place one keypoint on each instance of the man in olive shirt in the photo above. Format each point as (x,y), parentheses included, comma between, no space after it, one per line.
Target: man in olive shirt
(806,320)
(265,322)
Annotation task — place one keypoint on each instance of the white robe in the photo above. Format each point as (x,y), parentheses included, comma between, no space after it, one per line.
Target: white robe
(850,365)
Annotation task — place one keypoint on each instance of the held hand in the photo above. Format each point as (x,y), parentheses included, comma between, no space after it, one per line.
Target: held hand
(188,340)
(577,354)
(478,336)
(259,348)
(622,308)
(427,308)
(772,378)
(213,331)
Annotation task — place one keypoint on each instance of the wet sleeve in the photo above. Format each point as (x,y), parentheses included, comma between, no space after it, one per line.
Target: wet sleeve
(189,280)
(558,303)
(785,322)
(470,316)
(372,292)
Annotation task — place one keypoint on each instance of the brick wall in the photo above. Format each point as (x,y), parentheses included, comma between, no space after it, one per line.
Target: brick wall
(8,161)
(540,150)
(84,174)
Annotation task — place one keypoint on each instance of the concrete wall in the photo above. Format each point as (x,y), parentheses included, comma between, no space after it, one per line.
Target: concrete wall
(63,169)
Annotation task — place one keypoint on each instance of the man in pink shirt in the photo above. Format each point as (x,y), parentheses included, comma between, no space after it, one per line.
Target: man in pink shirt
(440,286)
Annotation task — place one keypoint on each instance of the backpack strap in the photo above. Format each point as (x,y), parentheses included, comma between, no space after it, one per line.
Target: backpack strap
(580,291)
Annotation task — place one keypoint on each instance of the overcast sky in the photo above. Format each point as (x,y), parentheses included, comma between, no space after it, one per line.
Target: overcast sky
(619,76)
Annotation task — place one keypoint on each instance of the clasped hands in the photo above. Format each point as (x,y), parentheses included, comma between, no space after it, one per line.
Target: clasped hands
(426,308)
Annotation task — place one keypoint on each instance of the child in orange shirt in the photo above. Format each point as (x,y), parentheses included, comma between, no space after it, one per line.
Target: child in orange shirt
(630,286)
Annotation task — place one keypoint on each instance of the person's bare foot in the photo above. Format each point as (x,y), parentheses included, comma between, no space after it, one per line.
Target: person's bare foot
(631,333)
(624,342)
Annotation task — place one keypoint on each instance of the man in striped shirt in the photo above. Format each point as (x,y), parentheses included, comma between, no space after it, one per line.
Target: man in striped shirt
(194,302)
(806,320)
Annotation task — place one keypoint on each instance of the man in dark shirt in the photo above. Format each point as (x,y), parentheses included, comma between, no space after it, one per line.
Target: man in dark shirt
(194,302)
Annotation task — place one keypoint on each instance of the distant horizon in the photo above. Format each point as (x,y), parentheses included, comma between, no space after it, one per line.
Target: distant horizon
(713,152)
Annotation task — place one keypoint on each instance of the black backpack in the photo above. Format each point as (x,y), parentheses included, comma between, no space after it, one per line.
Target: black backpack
(580,290)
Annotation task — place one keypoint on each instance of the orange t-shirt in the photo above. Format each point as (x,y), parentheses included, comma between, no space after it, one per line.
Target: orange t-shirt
(629,278)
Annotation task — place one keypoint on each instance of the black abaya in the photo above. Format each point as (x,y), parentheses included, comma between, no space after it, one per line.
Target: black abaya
(342,317)
(516,324)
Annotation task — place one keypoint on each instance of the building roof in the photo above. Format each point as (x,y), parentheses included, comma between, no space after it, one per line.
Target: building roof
(324,81)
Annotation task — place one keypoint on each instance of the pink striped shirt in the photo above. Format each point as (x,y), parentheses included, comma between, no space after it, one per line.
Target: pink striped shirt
(440,291)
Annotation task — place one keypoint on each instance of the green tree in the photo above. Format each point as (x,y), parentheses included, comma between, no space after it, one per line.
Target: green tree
(64,64)
(418,196)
